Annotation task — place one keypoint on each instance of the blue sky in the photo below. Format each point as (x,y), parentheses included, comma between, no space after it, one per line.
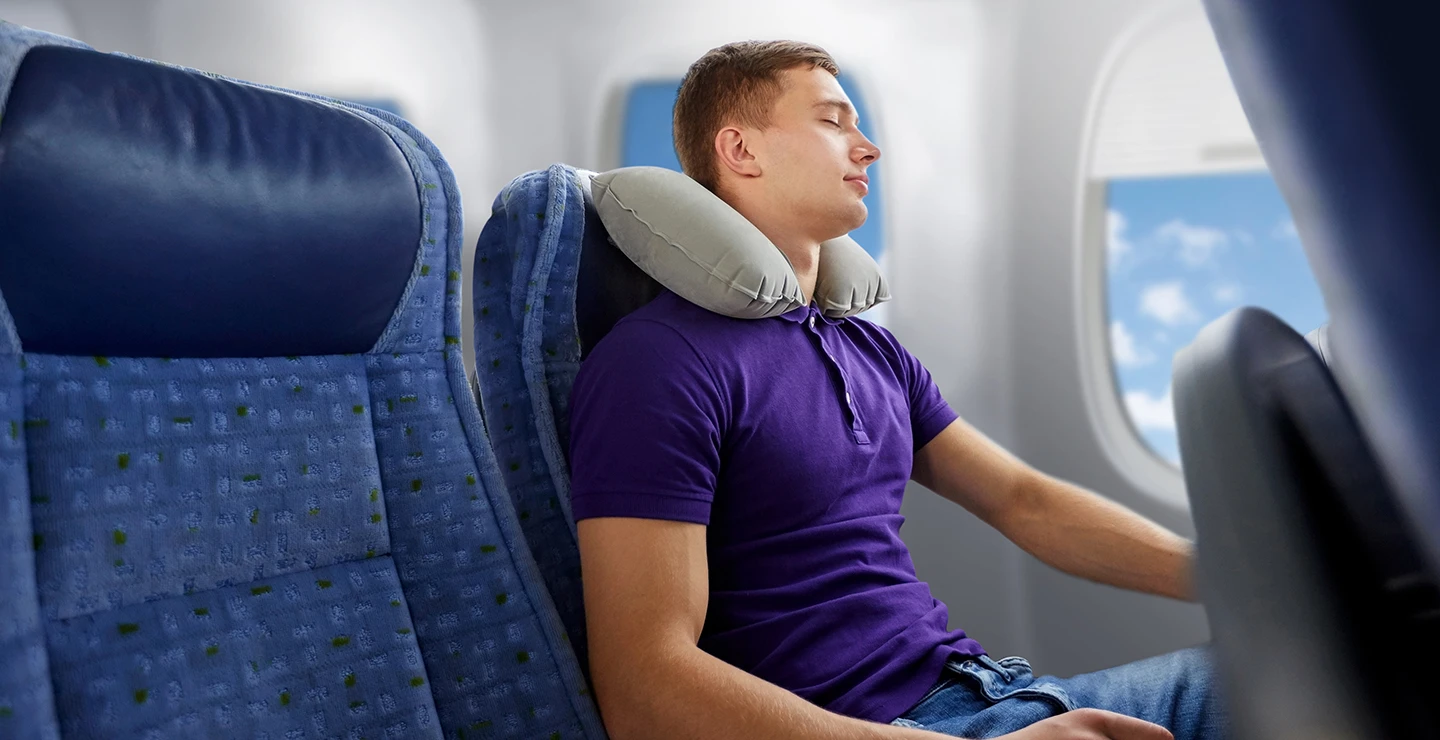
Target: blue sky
(1184,251)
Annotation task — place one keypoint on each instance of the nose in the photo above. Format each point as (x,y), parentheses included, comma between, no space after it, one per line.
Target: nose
(866,152)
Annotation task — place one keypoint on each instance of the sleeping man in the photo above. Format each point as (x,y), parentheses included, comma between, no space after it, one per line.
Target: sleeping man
(737,486)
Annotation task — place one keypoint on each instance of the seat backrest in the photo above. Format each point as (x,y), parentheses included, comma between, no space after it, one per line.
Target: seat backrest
(245,488)
(1307,567)
(548,285)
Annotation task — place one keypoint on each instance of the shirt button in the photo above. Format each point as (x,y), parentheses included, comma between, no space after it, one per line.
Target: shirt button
(812,322)
(847,399)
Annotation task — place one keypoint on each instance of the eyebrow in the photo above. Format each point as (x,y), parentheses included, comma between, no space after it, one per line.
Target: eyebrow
(839,105)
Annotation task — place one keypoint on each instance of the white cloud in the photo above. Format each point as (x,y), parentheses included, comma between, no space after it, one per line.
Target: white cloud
(1166,303)
(1115,241)
(1227,293)
(1122,343)
(1197,243)
(1285,230)
(1150,413)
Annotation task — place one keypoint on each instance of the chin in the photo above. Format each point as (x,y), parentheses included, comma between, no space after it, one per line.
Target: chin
(855,216)
(840,219)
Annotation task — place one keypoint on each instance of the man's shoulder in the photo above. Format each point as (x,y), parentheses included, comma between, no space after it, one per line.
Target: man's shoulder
(668,329)
(672,310)
(879,334)
(657,354)
(670,316)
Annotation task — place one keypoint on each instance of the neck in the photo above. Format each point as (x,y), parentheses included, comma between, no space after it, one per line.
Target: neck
(803,252)
(804,257)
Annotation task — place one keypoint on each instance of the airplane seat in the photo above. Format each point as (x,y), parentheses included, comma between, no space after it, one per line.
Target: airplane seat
(526,356)
(244,488)
(1323,611)
(568,253)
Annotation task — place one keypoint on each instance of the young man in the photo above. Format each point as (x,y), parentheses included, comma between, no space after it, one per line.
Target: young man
(738,484)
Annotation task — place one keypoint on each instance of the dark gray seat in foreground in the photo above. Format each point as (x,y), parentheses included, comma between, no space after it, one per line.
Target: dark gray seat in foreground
(1324,613)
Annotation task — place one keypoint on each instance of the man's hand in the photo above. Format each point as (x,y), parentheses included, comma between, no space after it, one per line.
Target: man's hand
(1091,724)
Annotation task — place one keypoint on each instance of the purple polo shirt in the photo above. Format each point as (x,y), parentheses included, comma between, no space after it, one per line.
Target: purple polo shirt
(792,439)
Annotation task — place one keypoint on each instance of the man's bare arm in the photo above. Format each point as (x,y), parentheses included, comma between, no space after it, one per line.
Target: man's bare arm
(1065,526)
(1087,535)
(646,591)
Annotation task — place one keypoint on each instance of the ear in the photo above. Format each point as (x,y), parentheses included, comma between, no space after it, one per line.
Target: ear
(735,151)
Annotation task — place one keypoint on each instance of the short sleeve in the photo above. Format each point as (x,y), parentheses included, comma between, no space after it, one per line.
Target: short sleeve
(929,411)
(646,420)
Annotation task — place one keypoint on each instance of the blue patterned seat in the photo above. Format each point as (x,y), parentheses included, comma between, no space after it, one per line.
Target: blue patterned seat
(535,318)
(244,489)
(525,365)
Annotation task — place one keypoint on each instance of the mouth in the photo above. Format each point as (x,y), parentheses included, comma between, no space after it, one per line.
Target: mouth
(862,180)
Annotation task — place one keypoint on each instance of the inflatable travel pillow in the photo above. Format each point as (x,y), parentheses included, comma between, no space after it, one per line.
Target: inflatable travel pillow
(695,244)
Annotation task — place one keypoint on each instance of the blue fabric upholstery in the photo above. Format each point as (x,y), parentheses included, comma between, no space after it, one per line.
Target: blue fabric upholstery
(164,170)
(535,318)
(27,705)
(290,437)
(527,352)
(312,545)
(330,651)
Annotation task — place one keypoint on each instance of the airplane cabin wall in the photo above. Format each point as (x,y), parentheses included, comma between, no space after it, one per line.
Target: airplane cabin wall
(48,15)
(1064,52)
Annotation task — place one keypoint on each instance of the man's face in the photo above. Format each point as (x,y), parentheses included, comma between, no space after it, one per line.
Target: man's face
(813,157)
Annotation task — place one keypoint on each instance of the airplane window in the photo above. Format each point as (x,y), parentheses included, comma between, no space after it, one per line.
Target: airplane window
(647,139)
(1181,252)
(1194,226)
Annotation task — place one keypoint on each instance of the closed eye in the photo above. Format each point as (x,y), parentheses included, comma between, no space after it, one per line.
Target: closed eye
(836,124)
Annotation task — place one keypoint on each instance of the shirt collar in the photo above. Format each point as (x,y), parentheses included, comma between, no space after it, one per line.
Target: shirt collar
(799,315)
(796,315)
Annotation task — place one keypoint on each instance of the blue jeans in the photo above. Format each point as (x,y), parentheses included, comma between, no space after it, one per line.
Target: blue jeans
(981,697)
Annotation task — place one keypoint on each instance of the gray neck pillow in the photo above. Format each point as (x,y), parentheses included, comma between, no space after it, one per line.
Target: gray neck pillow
(696,245)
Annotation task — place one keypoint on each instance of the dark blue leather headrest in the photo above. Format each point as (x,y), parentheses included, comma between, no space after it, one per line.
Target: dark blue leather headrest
(151,211)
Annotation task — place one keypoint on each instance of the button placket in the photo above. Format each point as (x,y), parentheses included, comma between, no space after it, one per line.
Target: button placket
(857,427)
